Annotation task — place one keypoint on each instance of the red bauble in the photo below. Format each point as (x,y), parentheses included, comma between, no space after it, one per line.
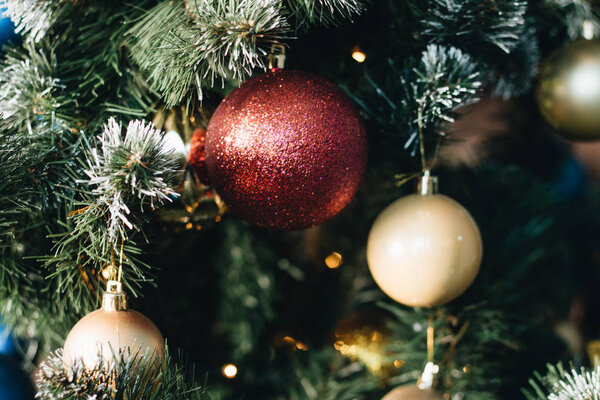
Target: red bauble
(287,150)
(197,155)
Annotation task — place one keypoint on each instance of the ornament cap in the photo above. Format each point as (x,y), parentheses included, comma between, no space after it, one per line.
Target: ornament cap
(428,184)
(276,57)
(114,299)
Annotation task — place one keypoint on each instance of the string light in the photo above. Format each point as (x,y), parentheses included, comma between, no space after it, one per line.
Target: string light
(334,260)
(358,55)
(295,343)
(106,272)
(229,371)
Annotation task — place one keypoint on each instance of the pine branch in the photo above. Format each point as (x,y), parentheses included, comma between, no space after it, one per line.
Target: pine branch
(127,177)
(466,342)
(36,17)
(423,94)
(559,384)
(182,46)
(324,12)
(134,171)
(513,75)
(131,377)
(325,375)
(30,92)
(248,288)
(470,23)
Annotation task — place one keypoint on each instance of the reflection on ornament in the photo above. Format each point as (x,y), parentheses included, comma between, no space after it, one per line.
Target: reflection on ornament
(568,92)
(362,336)
(412,392)
(113,330)
(286,150)
(424,249)
(229,371)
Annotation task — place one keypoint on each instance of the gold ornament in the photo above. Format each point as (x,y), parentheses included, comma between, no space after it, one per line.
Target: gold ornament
(198,204)
(412,392)
(110,331)
(362,336)
(424,249)
(593,350)
(568,92)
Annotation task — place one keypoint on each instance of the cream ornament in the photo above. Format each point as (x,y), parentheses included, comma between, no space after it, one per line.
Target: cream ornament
(111,331)
(568,91)
(412,392)
(424,249)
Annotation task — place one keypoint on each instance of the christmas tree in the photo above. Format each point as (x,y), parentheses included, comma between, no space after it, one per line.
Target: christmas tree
(238,177)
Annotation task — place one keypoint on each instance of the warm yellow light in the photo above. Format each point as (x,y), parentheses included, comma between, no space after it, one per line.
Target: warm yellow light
(399,363)
(298,345)
(289,339)
(301,346)
(229,371)
(358,55)
(334,260)
(106,273)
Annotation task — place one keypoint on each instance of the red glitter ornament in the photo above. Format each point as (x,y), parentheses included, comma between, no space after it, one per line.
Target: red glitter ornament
(286,150)
(197,155)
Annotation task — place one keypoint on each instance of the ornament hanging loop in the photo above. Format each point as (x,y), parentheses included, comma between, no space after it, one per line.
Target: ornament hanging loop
(276,56)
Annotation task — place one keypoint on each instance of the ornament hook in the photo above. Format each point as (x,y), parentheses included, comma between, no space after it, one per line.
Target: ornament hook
(277,54)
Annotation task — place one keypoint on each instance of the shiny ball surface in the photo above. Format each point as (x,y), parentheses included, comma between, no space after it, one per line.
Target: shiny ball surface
(286,150)
(104,332)
(568,91)
(412,392)
(424,250)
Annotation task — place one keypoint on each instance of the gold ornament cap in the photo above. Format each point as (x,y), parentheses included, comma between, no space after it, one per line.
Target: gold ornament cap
(428,184)
(114,299)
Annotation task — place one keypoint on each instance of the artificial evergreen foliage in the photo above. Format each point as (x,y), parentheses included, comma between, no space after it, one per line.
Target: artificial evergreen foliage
(83,174)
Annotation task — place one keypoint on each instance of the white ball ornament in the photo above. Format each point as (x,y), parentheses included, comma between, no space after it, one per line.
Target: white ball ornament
(111,331)
(424,249)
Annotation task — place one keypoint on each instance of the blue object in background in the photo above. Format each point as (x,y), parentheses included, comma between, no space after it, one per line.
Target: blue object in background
(7,342)
(7,28)
(571,181)
(14,382)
